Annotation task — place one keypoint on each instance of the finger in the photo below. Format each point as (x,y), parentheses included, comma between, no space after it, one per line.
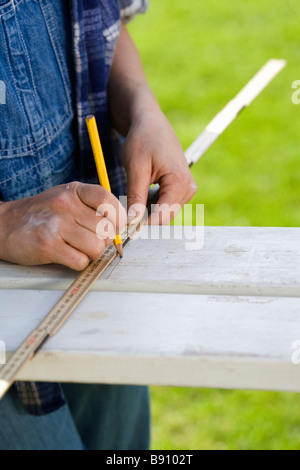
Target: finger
(138,182)
(106,231)
(85,241)
(169,202)
(102,226)
(175,191)
(116,218)
(102,201)
(89,218)
(135,213)
(68,256)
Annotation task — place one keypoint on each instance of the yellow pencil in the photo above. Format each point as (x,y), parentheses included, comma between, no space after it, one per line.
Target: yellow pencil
(101,167)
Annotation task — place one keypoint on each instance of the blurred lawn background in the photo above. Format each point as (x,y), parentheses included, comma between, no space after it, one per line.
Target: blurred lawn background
(197,56)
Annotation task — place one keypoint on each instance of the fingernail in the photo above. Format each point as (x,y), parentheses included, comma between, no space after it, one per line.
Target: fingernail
(131,212)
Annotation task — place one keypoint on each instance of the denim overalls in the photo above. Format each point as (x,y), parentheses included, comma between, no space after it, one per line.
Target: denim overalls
(36,142)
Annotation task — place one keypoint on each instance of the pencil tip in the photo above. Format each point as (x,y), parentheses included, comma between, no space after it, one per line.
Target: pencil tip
(119,248)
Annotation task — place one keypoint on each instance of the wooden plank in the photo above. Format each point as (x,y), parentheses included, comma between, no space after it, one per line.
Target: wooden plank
(233,261)
(162,339)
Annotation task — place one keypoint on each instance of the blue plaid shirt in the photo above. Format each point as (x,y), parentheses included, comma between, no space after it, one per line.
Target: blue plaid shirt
(95,29)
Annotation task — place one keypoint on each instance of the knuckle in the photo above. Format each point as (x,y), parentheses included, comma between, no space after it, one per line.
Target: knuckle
(181,180)
(193,187)
(97,250)
(73,186)
(188,184)
(62,202)
(46,236)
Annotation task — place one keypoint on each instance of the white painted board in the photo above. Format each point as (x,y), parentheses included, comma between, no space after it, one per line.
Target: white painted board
(162,339)
(233,260)
(159,316)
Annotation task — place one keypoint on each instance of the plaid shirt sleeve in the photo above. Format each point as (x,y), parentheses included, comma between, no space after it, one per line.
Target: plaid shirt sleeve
(130,8)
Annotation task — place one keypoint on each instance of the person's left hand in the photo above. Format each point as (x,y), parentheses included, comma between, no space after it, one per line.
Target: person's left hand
(152,153)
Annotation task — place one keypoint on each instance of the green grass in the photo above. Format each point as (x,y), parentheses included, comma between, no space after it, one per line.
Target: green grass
(187,419)
(197,56)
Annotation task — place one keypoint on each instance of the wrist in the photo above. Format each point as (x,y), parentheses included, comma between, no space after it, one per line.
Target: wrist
(143,103)
(137,101)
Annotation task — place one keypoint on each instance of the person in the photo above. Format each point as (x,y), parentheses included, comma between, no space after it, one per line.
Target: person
(61,61)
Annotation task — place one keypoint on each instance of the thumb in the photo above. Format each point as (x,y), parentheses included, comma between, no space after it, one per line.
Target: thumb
(139,180)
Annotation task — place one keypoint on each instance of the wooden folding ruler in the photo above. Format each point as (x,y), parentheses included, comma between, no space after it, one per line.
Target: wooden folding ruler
(81,285)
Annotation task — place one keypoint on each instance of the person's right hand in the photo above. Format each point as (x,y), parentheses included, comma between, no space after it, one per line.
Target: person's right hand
(60,225)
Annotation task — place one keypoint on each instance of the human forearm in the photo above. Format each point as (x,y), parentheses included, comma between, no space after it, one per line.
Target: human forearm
(129,93)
